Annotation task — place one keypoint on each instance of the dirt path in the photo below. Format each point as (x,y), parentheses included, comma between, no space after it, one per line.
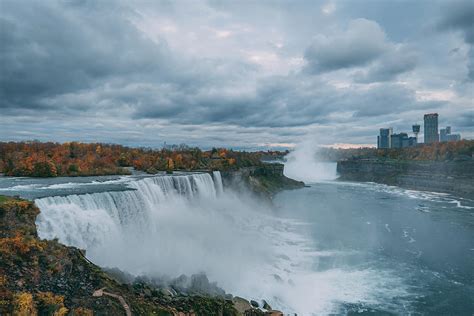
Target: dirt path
(101,292)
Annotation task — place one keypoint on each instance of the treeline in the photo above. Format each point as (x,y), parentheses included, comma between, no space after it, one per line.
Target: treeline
(444,151)
(38,159)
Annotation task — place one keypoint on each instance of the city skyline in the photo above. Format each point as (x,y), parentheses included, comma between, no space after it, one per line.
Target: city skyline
(432,134)
(242,75)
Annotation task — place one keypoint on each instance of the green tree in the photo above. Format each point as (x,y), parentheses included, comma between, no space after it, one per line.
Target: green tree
(44,169)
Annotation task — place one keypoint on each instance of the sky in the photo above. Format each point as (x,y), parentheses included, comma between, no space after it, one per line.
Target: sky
(240,74)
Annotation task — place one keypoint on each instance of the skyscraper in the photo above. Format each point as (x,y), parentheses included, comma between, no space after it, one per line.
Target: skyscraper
(431,128)
(384,140)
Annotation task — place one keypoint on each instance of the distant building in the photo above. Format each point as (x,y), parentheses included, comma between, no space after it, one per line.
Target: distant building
(431,128)
(384,140)
(446,136)
(442,135)
(409,142)
(416,130)
(402,141)
(453,137)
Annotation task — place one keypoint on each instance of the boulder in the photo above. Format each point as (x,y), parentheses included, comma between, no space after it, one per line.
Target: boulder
(241,304)
(266,305)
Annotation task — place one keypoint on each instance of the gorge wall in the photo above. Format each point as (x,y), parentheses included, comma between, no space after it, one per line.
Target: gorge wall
(453,177)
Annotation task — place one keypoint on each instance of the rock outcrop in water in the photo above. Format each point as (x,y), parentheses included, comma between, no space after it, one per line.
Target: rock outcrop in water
(263,181)
(454,177)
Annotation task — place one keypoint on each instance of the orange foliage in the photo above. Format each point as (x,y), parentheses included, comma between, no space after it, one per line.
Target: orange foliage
(80,159)
(23,305)
(48,298)
(20,244)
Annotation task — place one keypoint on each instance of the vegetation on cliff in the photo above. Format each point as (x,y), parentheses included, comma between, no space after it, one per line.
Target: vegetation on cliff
(38,159)
(263,181)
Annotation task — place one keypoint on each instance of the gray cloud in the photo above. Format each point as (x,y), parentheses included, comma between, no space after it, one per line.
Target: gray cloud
(142,72)
(362,42)
(51,48)
(389,66)
(459,15)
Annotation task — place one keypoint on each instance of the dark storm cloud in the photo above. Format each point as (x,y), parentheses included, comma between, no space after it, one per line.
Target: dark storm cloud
(459,15)
(51,48)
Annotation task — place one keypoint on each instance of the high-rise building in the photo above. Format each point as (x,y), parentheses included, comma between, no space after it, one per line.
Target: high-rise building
(453,137)
(442,135)
(402,140)
(431,128)
(446,136)
(384,140)
(397,140)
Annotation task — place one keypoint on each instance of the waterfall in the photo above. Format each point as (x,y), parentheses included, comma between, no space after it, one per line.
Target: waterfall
(218,181)
(87,220)
(169,226)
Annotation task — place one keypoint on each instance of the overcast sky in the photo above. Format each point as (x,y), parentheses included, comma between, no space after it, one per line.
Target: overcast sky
(241,74)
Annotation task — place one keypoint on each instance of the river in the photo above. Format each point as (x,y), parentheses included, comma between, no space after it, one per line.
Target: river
(330,248)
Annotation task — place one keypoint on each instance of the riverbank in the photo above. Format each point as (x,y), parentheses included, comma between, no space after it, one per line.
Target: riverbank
(453,177)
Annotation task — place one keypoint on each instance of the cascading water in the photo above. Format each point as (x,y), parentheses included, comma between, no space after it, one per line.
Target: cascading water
(163,225)
(88,220)
(218,181)
(187,224)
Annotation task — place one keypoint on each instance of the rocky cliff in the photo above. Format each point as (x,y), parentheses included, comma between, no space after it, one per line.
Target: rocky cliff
(454,177)
(263,181)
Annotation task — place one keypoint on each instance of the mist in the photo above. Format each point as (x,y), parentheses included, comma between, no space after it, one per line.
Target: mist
(303,164)
(172,226)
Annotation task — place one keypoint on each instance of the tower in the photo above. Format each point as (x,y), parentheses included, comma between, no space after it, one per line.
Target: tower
(416,130)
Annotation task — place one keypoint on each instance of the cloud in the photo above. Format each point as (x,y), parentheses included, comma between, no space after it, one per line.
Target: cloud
(360,43)
(389,66)
(459,16)
(65,48)
(217,73)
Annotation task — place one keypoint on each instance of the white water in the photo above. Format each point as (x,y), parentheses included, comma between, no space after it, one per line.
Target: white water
(168,225)
(172,225)
(218,182)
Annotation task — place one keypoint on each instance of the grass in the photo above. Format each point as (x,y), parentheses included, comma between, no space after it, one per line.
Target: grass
(4,198)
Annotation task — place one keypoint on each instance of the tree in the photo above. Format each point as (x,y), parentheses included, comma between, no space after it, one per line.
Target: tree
(44,169)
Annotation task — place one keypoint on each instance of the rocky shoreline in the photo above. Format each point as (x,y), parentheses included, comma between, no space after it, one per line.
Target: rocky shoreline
(453,177)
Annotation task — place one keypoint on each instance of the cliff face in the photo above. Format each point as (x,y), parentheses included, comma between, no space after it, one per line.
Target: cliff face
(263,181)
(454,177)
